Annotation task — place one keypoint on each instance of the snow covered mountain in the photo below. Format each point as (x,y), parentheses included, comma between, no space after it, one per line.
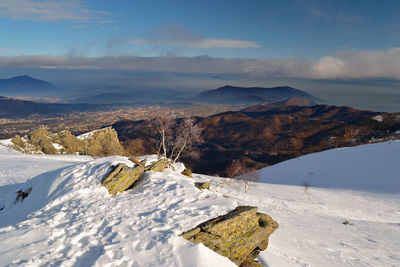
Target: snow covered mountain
(69,219)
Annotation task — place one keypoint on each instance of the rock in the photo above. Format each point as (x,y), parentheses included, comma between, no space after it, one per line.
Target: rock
(46,146)
(104,142)
(239,235)
(135,160)
(18,143)
(21,195)
(157,166)
(252,263)
(36,136)
(202,185)
(121,178)
(187,172)
(70,143)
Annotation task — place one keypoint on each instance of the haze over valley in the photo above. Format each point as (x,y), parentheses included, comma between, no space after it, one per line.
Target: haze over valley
(199,133)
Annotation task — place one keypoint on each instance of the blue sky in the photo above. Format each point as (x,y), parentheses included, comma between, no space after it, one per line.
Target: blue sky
(310,39)
(230,29)
(345,51)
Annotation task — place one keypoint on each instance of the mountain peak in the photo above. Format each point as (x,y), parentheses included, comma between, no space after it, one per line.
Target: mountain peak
(229,94)
(23,84)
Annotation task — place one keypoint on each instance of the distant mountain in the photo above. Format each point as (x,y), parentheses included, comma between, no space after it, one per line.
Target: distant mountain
(14,108)
(250,95)
(265,135)
(22,85)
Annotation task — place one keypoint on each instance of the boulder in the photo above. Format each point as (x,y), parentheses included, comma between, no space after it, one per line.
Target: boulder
(157,166)
(70,143)
(36,136)
(202,185)
(18,143)
(121,177)
(187,172)
(104,142)
(239,235)
(46,146)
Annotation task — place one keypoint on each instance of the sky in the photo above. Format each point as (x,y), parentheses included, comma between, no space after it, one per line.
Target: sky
(317,40)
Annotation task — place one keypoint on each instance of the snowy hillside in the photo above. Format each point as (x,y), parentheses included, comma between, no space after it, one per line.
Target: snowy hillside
(373,168)
(69,219)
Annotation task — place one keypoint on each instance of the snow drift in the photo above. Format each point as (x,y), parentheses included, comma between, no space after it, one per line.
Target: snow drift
(69,219)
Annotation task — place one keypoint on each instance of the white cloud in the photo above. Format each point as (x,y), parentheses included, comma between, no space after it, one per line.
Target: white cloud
(176,35)
(343,65)
(203,43)
(10,51)
(50,10)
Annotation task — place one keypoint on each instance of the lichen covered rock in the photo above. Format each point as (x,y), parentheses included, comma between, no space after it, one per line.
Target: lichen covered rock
(187,172)
(121,177)
(103,142)
(202,185)
(157,166)
(239,235)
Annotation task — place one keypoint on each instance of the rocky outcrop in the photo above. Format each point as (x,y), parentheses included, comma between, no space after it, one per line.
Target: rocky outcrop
(103,142)
(121,177)
(187,172)
(202,185)
(239,235)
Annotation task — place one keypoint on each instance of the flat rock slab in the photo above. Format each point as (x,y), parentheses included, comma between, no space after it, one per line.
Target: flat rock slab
(202,185)
(121,177)
(239,235)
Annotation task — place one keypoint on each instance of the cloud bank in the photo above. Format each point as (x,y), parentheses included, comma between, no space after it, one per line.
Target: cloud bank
(342,65)
(176,35)
(50,10)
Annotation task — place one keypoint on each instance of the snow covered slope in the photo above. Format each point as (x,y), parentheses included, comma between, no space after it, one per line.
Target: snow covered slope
(69,219)
(373,168)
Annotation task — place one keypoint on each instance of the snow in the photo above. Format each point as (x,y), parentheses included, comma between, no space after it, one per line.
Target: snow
(372,167)
(69,219)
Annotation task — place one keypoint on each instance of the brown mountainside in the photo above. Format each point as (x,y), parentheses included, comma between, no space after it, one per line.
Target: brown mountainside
(264,135)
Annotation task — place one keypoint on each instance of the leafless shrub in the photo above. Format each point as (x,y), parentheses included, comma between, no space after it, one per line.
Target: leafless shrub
(239,170)
(176,138)
(307,189)
(164,122)
(186,136)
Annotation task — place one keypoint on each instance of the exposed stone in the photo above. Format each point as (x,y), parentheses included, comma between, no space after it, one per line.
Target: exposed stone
(157,166)
(239,235)
(202,185)
(70,143)
(46,146)
(187,172)
(121,178)
(19,144)
(135,160)
(36,136)
(21,195)
(104,142)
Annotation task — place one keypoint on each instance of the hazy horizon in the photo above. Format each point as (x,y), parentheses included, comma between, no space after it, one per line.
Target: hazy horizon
(344,53)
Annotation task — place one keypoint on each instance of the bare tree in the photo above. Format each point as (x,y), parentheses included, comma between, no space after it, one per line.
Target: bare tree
(239,170)
(186,135)
(164,122)
(176,138)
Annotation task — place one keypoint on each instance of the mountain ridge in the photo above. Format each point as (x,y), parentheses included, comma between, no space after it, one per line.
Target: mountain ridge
(250,95)
(24,84)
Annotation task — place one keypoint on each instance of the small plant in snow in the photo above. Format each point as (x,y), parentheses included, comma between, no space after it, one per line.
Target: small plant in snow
(307,189)
(239,170)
